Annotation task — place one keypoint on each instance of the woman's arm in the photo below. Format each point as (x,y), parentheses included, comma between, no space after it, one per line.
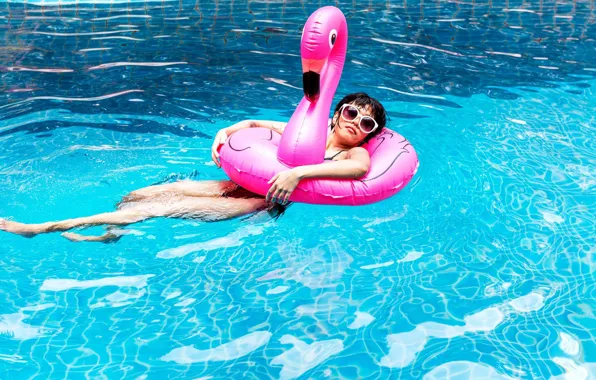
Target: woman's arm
(224,133)
(355,165)
(283,183)
(277,126)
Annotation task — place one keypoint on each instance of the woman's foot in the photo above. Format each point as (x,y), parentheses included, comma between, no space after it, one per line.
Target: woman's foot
(26,230)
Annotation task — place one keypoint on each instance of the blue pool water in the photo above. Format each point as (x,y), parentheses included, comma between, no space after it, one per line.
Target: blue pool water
(481,268)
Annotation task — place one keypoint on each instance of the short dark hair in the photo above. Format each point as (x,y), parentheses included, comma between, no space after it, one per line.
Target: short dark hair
(362,99)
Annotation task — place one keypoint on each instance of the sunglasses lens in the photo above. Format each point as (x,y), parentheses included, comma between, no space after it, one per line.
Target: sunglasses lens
(367,124)
(350,113)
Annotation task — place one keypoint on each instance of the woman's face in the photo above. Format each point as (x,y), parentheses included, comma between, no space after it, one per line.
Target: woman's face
(349,132)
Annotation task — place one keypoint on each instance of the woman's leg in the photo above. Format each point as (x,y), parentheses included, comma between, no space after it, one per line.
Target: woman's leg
(203,208)
(108,237)
(120,217)
(187,188)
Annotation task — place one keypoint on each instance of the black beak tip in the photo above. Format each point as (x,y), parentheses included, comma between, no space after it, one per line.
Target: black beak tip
(311,84)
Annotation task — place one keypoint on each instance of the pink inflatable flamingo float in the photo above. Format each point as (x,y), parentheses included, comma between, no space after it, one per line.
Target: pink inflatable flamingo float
(251,157)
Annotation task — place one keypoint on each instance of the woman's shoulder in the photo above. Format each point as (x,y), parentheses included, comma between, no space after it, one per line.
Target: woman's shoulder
(357,151)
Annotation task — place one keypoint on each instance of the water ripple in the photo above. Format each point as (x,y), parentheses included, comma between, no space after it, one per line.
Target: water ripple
(482,267)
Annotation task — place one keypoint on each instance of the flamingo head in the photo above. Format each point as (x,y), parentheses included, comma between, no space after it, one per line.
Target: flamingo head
(324,32)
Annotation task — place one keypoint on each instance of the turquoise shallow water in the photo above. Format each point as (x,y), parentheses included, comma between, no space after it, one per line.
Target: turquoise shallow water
(482,267)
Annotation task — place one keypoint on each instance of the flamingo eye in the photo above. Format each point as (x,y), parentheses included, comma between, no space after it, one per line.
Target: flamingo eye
(332,38)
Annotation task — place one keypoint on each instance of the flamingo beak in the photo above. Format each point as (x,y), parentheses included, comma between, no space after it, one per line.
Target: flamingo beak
(311,82)
(311,78)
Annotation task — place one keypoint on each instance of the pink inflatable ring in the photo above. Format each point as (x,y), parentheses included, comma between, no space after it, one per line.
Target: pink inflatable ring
(251,157)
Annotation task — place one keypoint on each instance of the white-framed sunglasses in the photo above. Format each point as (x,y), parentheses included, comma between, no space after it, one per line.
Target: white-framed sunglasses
(350,112)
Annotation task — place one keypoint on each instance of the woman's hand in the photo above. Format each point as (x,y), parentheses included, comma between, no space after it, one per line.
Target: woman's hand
(284,183)
(219,140)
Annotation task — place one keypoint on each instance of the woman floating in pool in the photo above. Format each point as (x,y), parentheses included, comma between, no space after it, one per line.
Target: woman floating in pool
(357,118)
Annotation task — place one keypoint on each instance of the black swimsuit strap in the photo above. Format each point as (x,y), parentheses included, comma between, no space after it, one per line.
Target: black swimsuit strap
(335,155)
